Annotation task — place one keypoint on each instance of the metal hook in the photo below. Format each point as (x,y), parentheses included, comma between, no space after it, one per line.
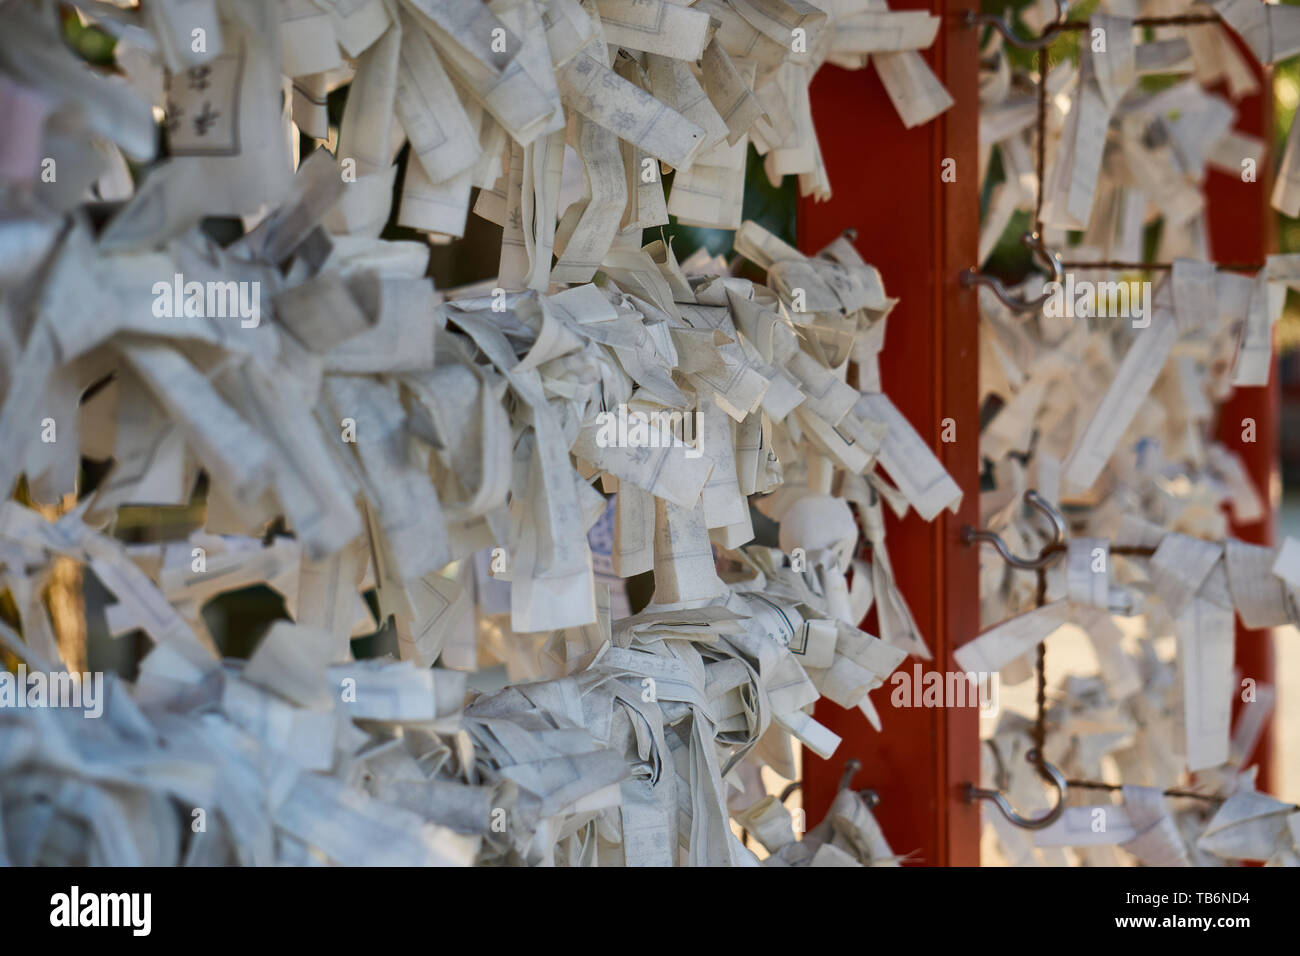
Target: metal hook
(1001,778)
(998,23)
(1050,774)
(851,768)
(1032,241)
(1047,556)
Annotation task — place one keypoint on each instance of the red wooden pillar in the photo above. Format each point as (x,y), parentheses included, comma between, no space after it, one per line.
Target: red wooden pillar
(1243,229)
(921,233)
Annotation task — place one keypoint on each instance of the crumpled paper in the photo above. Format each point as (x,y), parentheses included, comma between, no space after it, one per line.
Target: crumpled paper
(220,325)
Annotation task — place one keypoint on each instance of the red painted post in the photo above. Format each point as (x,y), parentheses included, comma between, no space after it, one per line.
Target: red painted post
(1243,229)
(921,233)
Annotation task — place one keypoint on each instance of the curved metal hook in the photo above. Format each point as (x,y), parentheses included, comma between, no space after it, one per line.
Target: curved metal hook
(1050,774)
(1051,551)
(1044,507)
(1001,25)
(1051,260)
(851,767)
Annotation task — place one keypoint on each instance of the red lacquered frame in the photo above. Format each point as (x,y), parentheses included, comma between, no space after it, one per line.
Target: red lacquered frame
(921,232)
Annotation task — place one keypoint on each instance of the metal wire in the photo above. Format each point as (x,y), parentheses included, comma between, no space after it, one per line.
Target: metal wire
(1171,792)
(1040,722)
(1186,20)
(1127,550)
(1153,266)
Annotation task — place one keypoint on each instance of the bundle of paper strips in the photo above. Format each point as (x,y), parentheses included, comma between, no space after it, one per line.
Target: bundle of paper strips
(488,463)
(1103,400)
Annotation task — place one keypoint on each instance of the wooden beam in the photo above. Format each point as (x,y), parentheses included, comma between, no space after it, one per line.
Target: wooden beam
(1242,227)
(921,232)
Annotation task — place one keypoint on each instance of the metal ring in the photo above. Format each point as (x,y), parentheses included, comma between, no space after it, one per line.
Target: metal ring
(1032,241)
(1050,774)
(1000,24)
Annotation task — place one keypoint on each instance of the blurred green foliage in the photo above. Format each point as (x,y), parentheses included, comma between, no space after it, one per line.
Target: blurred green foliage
(772,207)
(89,42)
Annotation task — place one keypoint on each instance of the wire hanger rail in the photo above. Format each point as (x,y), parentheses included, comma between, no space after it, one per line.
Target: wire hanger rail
(1048,554)
(1033,240)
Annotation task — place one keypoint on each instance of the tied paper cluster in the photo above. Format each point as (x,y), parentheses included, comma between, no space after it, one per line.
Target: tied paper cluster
(376,451)
(1109,411)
